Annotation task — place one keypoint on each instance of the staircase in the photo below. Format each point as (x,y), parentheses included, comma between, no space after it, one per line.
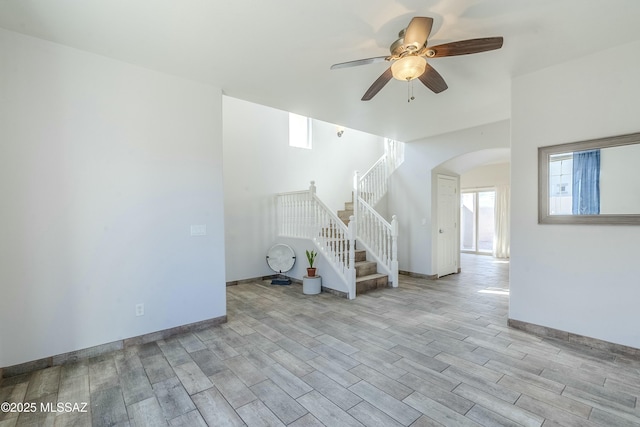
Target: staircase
(367,276)
(301,214)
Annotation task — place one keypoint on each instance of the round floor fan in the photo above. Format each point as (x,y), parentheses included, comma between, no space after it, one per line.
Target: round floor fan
(281,259)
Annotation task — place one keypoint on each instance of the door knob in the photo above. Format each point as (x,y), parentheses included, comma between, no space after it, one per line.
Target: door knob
(441,231)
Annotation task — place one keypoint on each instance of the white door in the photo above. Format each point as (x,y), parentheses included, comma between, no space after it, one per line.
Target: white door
(447,232)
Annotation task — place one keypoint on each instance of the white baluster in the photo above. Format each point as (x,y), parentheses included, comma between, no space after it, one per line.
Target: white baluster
(304,216)
(285,215)
(355,198)
(378,232)
(291,215)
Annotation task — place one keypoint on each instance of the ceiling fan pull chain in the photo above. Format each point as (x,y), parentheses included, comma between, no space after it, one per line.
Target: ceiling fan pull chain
(410,96)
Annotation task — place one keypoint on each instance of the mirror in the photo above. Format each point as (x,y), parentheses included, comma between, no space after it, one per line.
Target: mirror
(590,182)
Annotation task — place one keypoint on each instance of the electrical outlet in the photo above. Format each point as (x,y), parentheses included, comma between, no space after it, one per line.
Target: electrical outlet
(139,309)
(199,230)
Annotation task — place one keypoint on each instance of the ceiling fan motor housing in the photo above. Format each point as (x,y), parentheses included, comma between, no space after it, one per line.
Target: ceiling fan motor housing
(398,48)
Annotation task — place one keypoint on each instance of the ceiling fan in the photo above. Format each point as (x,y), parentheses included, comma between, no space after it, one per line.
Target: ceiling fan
(409,53)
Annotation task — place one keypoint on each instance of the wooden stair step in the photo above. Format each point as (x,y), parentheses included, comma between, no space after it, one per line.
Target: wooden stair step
(365,268)
(345,214)
(367,276)
(371,282)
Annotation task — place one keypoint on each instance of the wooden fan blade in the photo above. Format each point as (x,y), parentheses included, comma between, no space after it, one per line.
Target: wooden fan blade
(465,47)
(418,31)
(359,62)
(433,80)
(377,85)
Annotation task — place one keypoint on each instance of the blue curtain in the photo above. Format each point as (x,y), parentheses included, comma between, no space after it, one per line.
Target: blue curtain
(586,182)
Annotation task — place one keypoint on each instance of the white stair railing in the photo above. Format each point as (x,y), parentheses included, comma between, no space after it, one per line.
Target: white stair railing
(374,233)
(372,186)
(302,214)
(394,150)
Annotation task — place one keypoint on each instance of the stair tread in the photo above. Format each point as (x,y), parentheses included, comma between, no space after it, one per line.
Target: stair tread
(371,276)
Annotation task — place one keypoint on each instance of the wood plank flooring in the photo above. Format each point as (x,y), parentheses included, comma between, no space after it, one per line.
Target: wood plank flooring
(428,353)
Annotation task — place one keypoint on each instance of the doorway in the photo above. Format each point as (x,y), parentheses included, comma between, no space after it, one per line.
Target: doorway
(477,221)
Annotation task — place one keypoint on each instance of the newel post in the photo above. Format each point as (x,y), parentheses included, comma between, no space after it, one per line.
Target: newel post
(351,271)
(394,251)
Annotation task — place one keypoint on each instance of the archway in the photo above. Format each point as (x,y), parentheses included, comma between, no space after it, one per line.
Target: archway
(484,178)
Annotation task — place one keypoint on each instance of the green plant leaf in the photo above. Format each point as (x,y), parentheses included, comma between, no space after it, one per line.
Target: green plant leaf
(311,257)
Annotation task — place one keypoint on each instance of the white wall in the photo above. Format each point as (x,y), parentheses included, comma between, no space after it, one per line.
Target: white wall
(486,176)
(103,168)
(411,191)
(259,163)
(576,278)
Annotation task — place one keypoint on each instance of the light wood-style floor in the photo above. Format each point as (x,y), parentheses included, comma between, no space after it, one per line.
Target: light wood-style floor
(426,354)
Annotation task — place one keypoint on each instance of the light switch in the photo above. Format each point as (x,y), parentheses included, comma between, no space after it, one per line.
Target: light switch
(199,230)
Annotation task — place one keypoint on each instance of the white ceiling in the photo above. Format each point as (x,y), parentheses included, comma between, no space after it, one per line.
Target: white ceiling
(278,52)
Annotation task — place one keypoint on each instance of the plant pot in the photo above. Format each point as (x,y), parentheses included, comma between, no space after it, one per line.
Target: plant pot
(311,272)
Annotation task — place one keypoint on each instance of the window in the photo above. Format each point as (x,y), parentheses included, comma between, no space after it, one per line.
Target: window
(299,131)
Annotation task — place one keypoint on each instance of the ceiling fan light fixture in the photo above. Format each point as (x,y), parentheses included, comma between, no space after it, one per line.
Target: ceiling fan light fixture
(408,68)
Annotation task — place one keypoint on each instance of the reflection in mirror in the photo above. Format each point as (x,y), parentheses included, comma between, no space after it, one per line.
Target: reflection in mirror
(560,180)
(620,180)
(595,181)
(574,183)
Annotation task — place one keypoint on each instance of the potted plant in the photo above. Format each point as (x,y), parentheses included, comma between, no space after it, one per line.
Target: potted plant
(311,257)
